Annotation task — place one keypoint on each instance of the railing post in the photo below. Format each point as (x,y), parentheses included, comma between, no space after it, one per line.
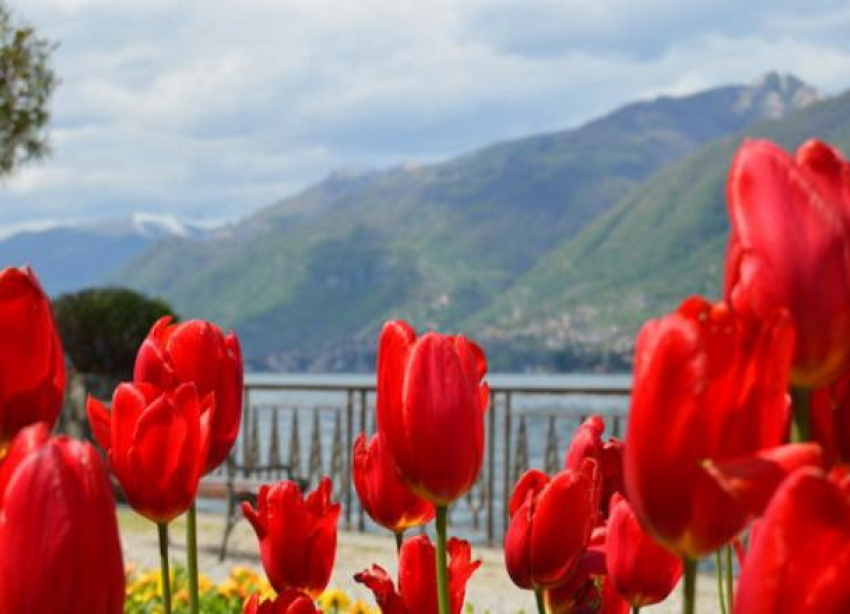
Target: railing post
(246,428)
(491,468)
(349,445)
(361,518)
(506,476)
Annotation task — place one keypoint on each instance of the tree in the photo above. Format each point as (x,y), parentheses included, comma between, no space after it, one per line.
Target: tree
(102,328)
(26,83)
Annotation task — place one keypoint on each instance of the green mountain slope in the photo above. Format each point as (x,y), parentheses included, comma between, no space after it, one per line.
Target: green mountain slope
(641,258)
(308,281)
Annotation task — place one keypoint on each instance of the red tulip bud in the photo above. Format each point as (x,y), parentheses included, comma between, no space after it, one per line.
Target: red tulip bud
(709,385)
(196,351)
(551,523)
(32,363)
(156,442)
(383,495)
(59,543)
(643,571)
(431,405)
(790,249)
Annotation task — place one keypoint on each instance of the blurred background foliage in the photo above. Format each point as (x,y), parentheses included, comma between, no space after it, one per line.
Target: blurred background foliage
(102,328)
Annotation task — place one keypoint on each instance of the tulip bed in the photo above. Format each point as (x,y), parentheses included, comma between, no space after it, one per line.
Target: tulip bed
(738,445)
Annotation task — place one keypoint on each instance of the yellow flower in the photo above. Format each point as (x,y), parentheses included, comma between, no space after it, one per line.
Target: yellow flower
(333,600)
(204,583)
(230,588)
(361,607)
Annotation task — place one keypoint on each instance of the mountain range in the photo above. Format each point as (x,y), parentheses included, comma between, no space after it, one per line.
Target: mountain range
(549,249)
(70,256)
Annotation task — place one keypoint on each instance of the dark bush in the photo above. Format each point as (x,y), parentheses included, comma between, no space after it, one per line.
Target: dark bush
(102,328)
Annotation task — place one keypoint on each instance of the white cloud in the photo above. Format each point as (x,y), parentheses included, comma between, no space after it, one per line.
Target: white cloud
(214,108)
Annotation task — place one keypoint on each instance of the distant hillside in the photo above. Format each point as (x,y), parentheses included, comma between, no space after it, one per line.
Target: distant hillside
(665,241)
(308,281)
(68,257)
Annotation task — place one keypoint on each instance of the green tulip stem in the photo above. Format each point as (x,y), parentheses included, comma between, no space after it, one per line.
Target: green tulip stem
(800,398)
(192,559)
(399,540)
(442,562)
(541,605)
(163,569)
(689,586)
(730,580)
(721,594)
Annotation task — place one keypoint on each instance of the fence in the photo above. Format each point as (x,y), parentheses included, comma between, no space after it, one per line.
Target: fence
(306,427)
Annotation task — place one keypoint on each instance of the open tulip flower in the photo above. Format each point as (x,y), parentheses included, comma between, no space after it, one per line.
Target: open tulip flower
(288,602)
(32,363)
(196,351)
(156,442)
(551,524)
(383,495)
(417,581)
(588,443)
(709,386)
(643,571)
(790,248)
(431,405)
(297,535)
(59,544)
(798,559)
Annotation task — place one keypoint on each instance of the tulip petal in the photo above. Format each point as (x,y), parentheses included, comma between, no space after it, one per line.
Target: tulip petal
(394,346)
(532,481)
(753,479)
(460,570)
(100,421)
(443,421)
(562,521)
(379,582)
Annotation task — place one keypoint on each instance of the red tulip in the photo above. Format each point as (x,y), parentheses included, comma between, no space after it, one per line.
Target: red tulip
(551,524)
(59,544)
(297,535)
(383,495)
(196,351)
(288,602)
(32,363)
(709,385)
(417,578)
(643,571)
(156,442)
(431,405)
(798,559)
(587,443)
(790,249)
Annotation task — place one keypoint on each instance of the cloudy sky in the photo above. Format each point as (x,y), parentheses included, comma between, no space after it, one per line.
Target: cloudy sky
(211,109)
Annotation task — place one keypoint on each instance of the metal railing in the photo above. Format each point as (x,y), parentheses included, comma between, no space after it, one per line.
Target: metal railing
(306,427)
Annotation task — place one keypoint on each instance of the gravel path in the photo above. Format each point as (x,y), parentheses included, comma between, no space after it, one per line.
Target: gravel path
(489,589)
